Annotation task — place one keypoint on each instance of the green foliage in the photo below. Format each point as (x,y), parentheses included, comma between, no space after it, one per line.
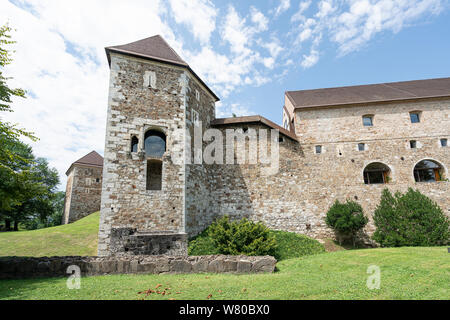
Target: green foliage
(410,219)
(346,218)
(291,245)
(241,237)
(288,245)
(29,193)
(9,133)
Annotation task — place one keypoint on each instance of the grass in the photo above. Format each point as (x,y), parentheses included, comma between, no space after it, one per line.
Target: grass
(77,239)
(289,245)
(406,273)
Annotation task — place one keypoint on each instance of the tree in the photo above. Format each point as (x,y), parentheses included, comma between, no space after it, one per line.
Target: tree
(9,133)
(347,219)
(410,219)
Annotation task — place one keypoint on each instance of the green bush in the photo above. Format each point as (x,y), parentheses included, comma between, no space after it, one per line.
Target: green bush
(347,219)
(410,219)
(241,237)
(288,245)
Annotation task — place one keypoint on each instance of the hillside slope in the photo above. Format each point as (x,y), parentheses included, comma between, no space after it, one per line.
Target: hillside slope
(78,239)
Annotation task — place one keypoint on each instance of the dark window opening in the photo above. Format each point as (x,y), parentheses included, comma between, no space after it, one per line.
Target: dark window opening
(428,171)
(444,142)
(415,117)
(97,180)
(154,175)
(376,173)
(318,149)
(413,144)
(361,147)
(134,144)
(368,121)
(281,139)
(155,144)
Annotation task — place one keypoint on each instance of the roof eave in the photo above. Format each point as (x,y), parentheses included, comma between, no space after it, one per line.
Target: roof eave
(296,107)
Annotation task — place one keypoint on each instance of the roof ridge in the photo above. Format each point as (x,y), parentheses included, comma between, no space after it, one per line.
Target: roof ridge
(370,84)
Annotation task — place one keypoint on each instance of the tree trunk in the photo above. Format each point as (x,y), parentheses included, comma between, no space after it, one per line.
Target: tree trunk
(16,226)
(7,225)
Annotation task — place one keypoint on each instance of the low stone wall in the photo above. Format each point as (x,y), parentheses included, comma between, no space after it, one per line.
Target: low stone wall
(19,268)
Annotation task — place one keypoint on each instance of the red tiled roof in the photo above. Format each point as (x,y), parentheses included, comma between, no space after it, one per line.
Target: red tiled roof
(384,92)
(155,48)
(253,119)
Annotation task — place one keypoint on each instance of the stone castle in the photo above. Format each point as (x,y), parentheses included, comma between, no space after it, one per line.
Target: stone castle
(338,143)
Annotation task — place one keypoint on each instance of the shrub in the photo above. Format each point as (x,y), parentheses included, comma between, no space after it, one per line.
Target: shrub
(410,219)
(241,237)
(347,219)
(288,245)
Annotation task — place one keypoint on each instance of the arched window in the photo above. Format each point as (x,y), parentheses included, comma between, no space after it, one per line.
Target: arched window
(428,171)
(377,173)
(134,144)
(155,144)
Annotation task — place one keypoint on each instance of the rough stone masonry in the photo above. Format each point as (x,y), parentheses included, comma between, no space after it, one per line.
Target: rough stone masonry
(337,143)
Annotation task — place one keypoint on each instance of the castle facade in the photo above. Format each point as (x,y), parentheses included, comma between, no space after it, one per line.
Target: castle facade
(335,144)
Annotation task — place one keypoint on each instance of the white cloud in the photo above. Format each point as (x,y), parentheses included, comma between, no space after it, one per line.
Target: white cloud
(311,59)
(351,24)
(282,7)
(228,110)
(259,19)
(198,15)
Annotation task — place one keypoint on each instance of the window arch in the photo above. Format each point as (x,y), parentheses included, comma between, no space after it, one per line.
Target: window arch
(154,144)
(428,171)
(377,173)
(134,144)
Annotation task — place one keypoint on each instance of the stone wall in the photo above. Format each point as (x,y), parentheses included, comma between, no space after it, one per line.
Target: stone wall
(20,268)
(297,198)
(83,192)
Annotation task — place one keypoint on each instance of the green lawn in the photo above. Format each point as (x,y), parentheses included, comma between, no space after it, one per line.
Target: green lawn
(406,273)
(78,239)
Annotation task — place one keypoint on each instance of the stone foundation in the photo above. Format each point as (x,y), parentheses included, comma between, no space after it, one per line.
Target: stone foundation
(20,268)
(129,241)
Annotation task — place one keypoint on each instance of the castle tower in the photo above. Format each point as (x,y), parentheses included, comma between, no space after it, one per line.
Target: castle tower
(155,100)
(83,189)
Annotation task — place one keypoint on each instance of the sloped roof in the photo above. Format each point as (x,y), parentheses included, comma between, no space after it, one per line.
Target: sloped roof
(154,48)
(384,92)
(253,119)
(92,159)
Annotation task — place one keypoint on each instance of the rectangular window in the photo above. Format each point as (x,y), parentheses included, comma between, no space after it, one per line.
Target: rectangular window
(154,175)
(413,144)
(197,95)
(361,147)
(318,149)
(195,118)
(444,142)
(368,121)
(415,117)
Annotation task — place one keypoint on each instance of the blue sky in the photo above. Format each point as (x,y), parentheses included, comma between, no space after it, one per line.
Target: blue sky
(248,52)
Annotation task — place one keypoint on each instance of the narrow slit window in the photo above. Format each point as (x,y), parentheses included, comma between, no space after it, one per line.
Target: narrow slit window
(444,142)
(318,149)
(154,175)
(134,144)
(413,144)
